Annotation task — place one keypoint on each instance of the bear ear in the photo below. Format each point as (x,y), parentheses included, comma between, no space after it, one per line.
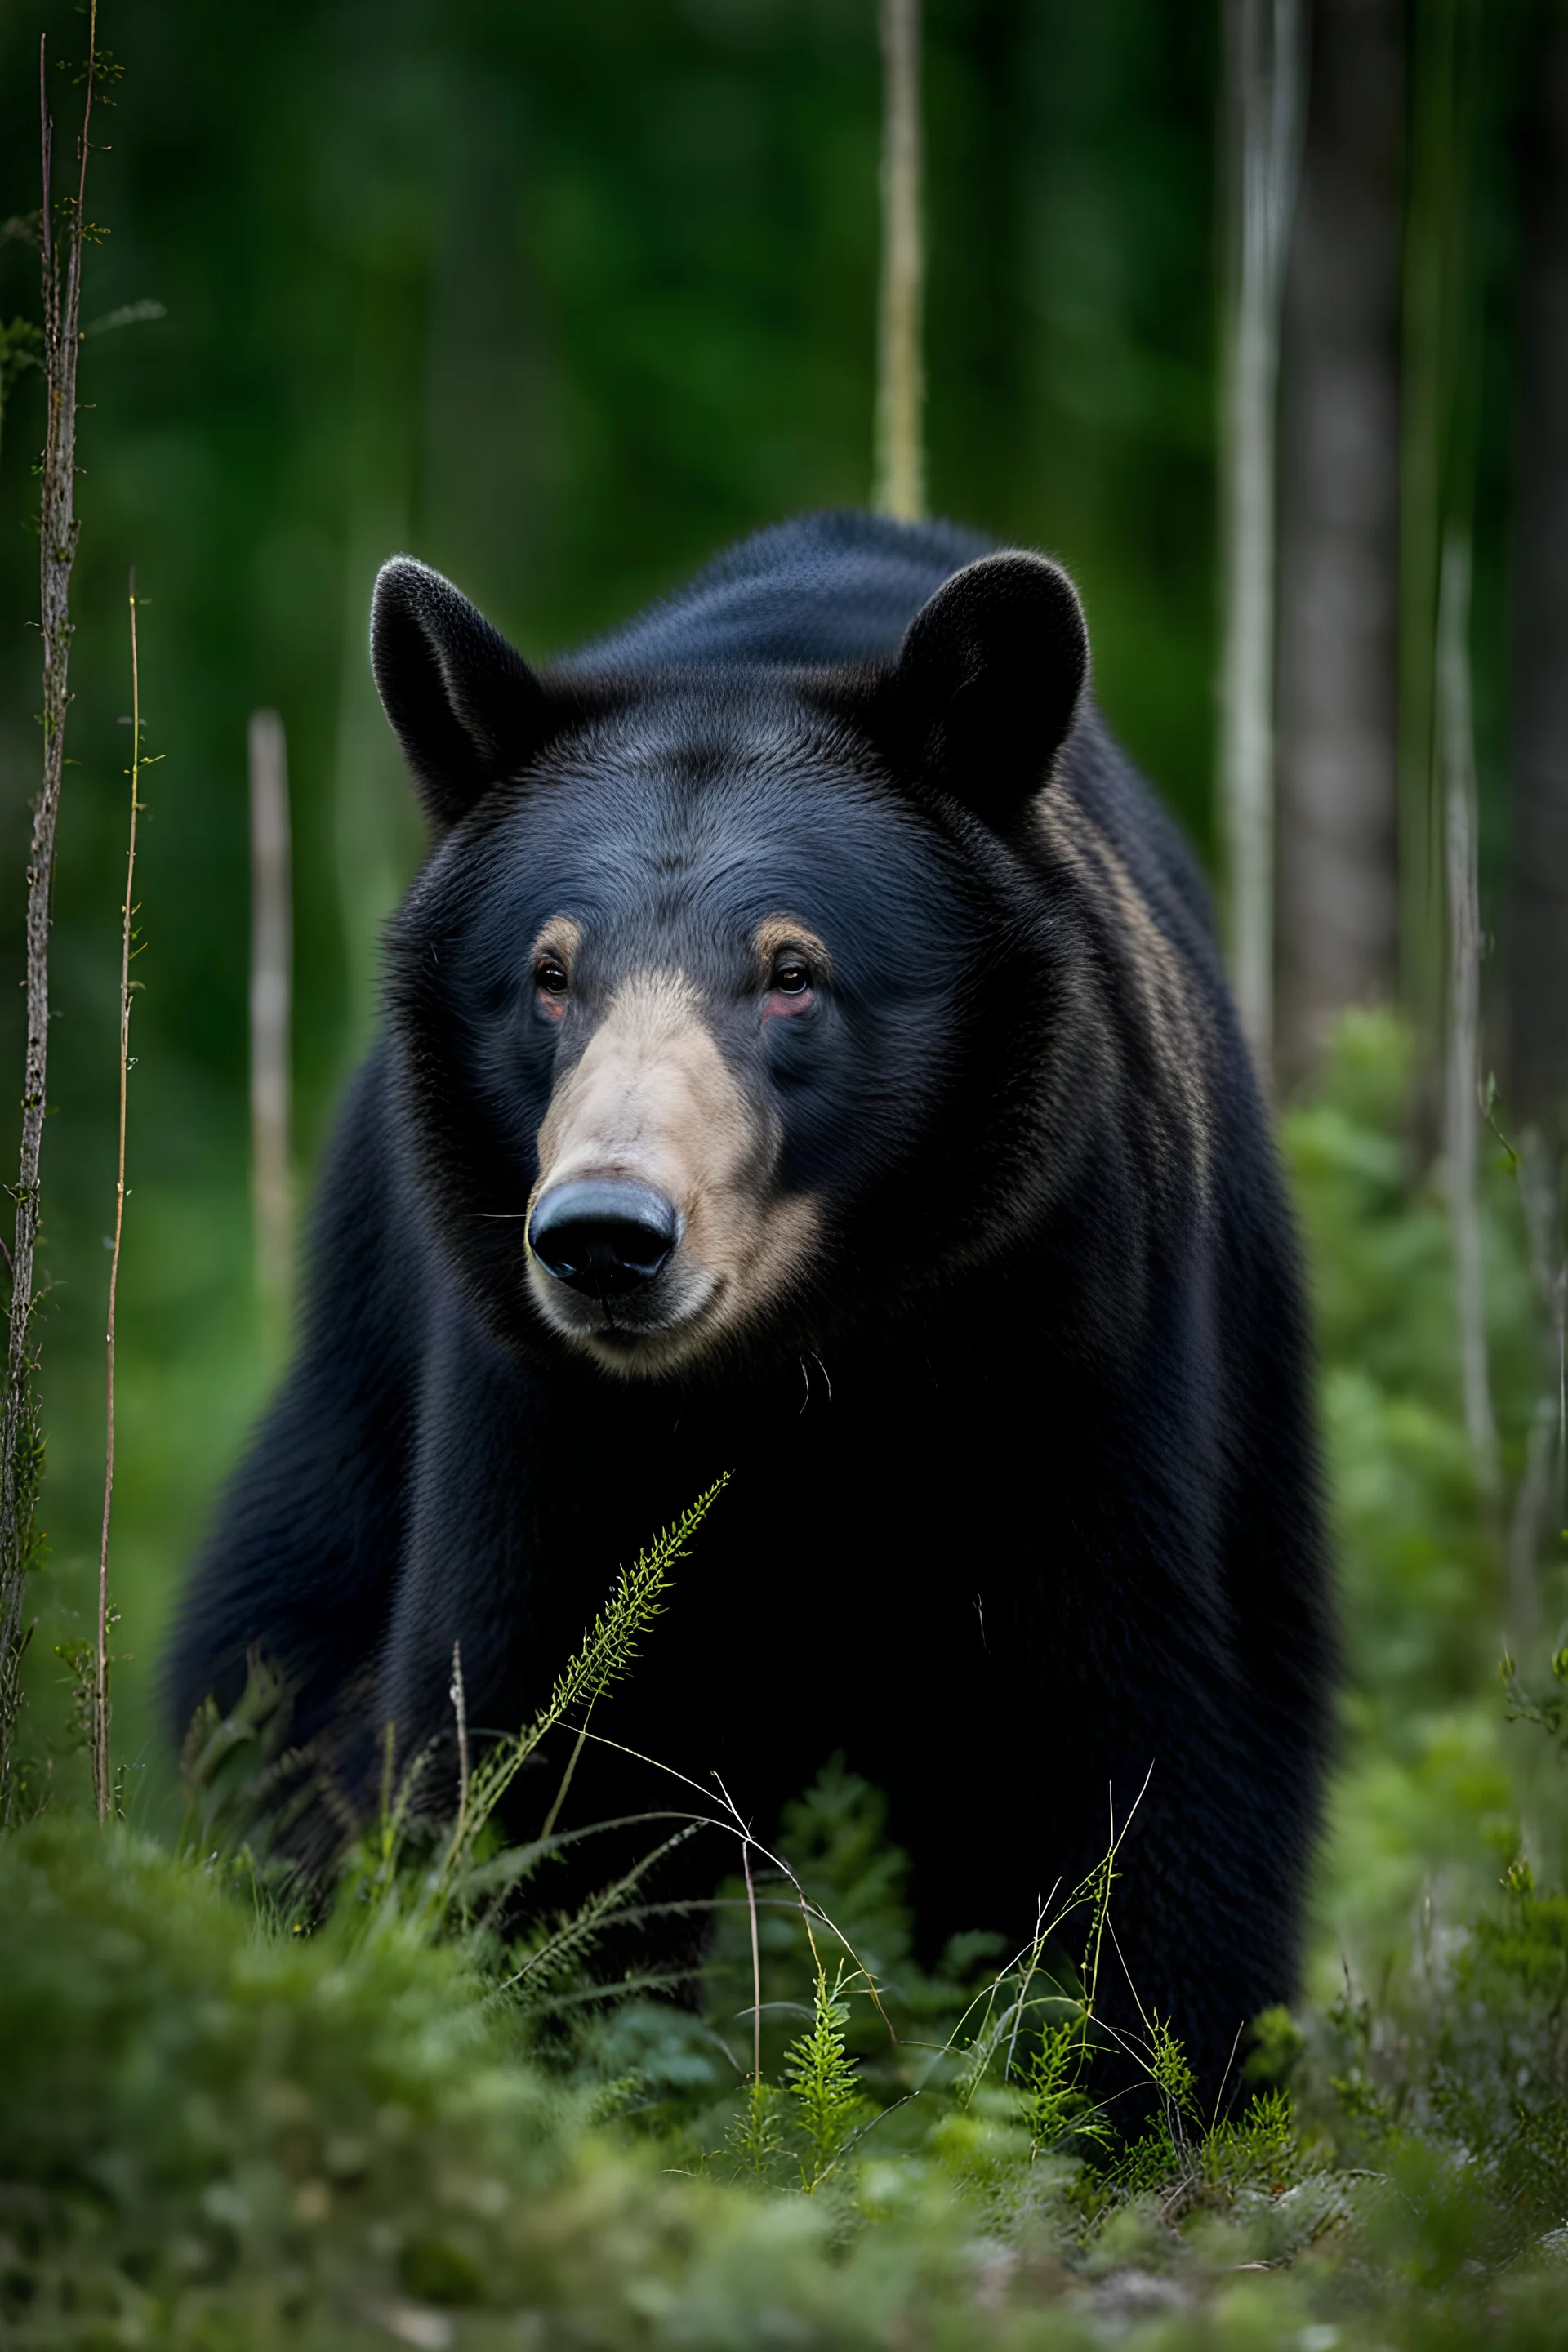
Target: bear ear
(464,704)
(986,684)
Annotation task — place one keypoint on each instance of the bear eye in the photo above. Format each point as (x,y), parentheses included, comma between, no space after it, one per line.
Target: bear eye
(792,975)
(549,974)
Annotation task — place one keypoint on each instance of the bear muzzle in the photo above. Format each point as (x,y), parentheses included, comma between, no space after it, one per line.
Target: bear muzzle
(657,1227)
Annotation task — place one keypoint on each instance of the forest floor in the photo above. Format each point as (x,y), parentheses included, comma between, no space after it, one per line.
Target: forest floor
(409,2120)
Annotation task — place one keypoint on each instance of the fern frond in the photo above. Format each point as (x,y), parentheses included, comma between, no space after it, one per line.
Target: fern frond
(822,2080)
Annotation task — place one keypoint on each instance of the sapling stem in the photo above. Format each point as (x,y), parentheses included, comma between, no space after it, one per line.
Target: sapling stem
(900,384)
(100,1704)
(756,1965)
(271,951)
(460,1711)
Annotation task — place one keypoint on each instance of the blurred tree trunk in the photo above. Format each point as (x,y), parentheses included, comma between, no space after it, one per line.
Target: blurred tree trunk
(1538,932)
(1439,388)
(1338,656)
(1264,74)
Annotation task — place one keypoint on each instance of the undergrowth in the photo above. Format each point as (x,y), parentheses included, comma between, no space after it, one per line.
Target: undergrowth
(424,2112)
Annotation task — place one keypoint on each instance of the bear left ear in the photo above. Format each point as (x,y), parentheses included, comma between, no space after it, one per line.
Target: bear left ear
(464,704)
(986,684)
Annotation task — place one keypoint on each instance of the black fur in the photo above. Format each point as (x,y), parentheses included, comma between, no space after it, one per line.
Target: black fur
(1025,1505)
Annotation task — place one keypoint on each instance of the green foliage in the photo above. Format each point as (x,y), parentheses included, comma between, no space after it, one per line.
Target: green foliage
(188,2098)
(415,2113)
(1424,1762)
(220,2128)
(216,2129)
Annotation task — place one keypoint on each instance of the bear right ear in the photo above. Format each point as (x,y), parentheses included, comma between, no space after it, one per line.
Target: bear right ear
(464,704)
(987,684)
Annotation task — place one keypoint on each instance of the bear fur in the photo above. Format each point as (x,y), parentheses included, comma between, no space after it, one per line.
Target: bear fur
(817,903)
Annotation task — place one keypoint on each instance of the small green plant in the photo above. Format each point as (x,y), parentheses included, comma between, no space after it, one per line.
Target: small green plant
(1056,2108)
(755,2136)
(822,2081)
(1170,2071)
(1549,1709)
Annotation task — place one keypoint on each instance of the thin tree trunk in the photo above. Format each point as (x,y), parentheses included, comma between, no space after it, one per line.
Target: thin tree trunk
(56,544)
(1537,1503)
(1462,1093)
(1539,883)
(1338,891)
(901,383)
(1537,933)
(1437,380)
(376,830)
(271,951)
(1265,104)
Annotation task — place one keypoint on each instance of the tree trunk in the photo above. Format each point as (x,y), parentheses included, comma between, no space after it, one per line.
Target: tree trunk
(1263,72)
(1338,656)
(1461,1118)
(1538,930)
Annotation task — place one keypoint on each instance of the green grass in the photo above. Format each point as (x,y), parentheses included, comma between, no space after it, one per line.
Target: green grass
(421,2118)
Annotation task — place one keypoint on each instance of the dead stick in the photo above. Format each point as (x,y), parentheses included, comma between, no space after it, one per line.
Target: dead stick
(100,1710)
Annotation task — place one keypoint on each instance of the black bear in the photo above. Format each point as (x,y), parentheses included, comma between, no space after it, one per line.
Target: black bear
(806,1055)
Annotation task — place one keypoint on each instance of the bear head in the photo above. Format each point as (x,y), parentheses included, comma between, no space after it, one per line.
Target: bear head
(721,1004)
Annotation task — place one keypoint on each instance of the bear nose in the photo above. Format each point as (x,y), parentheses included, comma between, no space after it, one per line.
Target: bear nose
(602,1235)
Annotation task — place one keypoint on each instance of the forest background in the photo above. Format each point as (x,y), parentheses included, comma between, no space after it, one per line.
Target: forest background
(563,299)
